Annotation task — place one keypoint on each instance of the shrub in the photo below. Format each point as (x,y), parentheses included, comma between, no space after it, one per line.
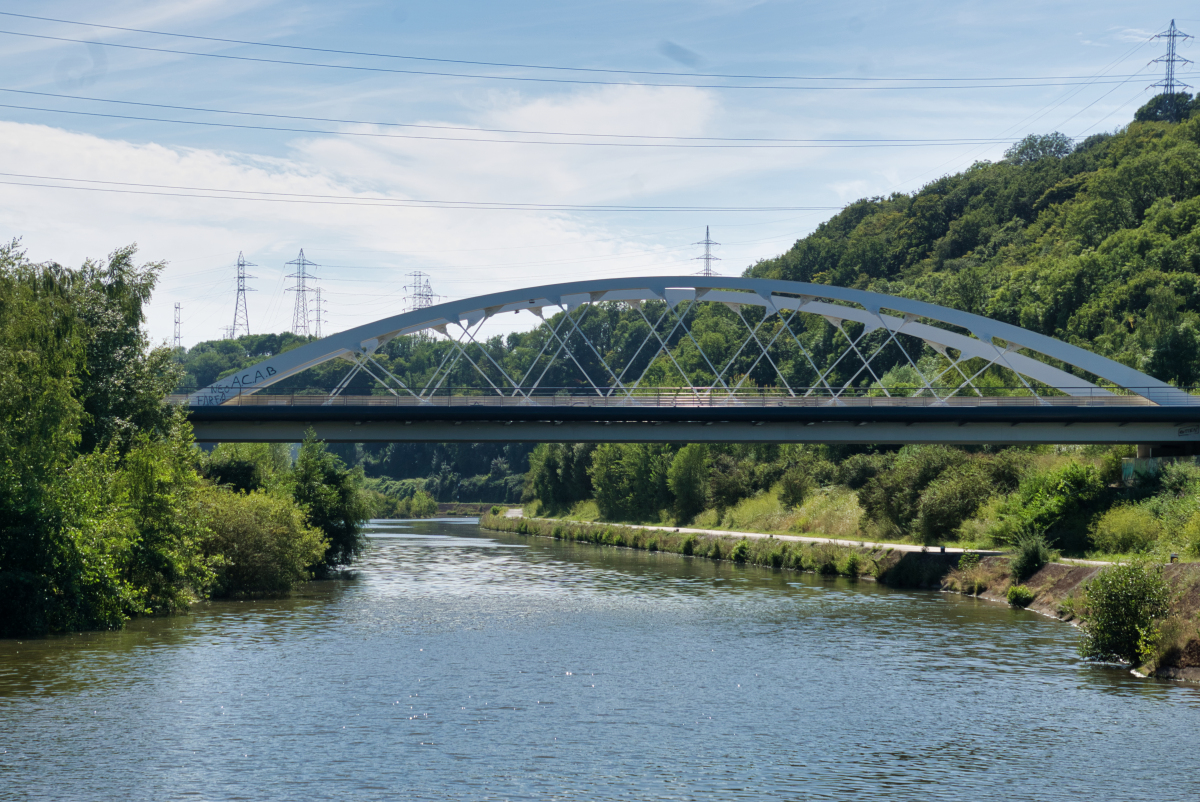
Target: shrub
(1058,503)
(1110,463)
(652,545)
(970,574)
(1031,553)
(1125,528)
(689,545)
(795,487)
(892,499)
(951,499)
(741,551)
(714,549)
(855,472)
(423,505)
(777,557)
(728,483)
(497,510)
(1119,609)
(1019,596)
(260,542)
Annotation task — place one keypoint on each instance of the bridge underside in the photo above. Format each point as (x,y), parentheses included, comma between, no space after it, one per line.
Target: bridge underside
(973,425)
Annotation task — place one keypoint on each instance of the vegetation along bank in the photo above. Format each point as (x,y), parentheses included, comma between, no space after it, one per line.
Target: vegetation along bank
(107,508)
(1140,613)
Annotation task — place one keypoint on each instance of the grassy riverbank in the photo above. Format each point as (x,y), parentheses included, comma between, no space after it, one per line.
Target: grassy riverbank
(1055,589)
(893,566)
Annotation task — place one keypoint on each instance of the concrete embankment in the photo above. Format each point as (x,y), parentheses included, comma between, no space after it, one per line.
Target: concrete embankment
(1057,587)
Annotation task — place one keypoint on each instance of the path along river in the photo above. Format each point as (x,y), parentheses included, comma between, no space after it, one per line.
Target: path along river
(467,665)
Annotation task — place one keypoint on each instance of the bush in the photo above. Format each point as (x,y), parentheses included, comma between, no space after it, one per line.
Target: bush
(741,551)
(728,483)
(689,545)
(1019,596)
(971,576)
(1031,553)
(892,499)
(260,543)
(1119,610)
(950,500)
(422,505)
(1110,463)
(1125,528)
(795,487)
(856,471)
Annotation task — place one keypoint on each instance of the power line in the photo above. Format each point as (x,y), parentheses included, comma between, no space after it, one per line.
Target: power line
(300,313)
(464,128)
(809,144)
(1171,88)
(379,202)
(707,258)
(241,312)
(555,68)
(527,79)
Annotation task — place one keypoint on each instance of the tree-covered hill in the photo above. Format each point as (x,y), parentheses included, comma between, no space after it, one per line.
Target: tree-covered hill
(1096,244)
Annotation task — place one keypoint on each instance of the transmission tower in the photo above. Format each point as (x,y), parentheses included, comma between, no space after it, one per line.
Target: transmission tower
(241,313)
(1170,87)
(319,314)
(227,332)
(178,339)
(300,312)
(418,294)
(707,258)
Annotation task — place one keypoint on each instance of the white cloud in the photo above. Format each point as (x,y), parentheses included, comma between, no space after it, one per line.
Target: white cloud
(467,251)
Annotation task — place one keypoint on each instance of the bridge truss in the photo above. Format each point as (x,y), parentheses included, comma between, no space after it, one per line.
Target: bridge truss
(965,378)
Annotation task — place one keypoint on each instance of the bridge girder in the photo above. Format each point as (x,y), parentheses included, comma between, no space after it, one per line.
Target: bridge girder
(617,409)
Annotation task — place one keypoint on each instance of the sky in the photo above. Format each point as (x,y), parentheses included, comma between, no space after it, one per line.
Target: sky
(501,145)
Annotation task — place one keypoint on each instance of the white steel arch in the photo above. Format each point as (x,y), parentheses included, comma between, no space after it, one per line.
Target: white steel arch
(995,342)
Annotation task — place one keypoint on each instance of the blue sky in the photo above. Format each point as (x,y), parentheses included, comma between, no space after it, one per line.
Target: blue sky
(951,70)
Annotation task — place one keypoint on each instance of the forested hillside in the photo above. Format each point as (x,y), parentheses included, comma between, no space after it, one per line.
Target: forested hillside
(1096,244)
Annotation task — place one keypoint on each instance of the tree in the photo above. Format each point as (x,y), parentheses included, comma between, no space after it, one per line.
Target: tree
(334,498)
(1164,108)
(1036,147)
(688,480)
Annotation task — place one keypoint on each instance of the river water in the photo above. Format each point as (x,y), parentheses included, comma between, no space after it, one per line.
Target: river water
(470,665)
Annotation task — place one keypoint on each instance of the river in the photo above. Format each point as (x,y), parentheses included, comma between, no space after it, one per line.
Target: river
(473,665)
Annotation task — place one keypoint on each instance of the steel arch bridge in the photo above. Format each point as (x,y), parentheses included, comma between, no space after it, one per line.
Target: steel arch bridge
(946,350)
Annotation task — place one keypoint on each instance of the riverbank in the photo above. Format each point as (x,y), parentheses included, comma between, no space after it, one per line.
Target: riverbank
(1055,589)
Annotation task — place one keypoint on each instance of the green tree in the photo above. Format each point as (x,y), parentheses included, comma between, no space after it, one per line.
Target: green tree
(334,498)
(688,480)
(1036,147)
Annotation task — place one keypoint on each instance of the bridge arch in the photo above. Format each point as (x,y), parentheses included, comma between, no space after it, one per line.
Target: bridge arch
(958,336)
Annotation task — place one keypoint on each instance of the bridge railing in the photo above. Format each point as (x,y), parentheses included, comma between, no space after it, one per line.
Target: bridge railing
(691,397)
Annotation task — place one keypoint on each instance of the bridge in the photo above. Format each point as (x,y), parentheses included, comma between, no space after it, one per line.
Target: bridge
(970,379)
